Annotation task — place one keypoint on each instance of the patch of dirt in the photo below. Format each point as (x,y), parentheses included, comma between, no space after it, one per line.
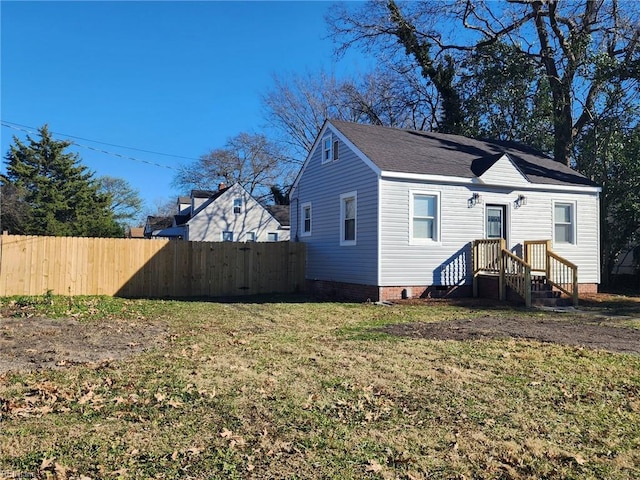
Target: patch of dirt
(40,343)
(587,332)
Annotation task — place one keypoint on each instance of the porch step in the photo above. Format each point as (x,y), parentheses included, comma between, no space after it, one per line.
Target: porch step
(542,294)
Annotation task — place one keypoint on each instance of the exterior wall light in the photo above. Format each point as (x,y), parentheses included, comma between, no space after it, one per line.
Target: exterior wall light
(474,200)
(521,201)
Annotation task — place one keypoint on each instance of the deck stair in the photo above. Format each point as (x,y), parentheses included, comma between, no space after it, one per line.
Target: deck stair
(542,277)
(543,294)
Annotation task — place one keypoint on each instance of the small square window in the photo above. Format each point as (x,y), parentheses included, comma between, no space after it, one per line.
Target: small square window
(237,205)
(250,237)
(227,236)
(272,236)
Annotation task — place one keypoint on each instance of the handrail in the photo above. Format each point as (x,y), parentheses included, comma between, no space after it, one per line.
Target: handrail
(491,256)
(535,252)
(486,255)
(517,275)
(563,275)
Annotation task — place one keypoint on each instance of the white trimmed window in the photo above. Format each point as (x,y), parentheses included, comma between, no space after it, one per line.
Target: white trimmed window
(227,236)
(250,237)
(272,236)
(424,224)
(564,222)
(237,205)
(329,149)
(348,218)
(305,214)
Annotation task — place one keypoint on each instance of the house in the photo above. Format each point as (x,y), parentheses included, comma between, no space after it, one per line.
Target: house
(229,214)
(161,227)
(389,213)
(135,232)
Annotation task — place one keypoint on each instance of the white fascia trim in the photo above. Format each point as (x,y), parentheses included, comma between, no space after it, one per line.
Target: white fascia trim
(475,181)
(379,269)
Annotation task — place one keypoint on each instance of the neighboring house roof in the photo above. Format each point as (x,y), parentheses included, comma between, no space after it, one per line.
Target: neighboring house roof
(182,219)
(428,153)
(280,213)
(206,193)
(158,223)
(136,232)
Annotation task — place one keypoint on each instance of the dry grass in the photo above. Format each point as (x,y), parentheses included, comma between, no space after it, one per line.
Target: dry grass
(308,390)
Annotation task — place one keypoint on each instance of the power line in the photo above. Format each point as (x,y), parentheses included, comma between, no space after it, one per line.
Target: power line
(25,128)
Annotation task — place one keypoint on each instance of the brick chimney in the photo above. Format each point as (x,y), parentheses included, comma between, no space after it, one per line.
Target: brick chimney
(221,186)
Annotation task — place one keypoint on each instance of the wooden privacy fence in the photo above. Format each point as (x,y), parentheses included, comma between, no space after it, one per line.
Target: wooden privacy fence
(31,265)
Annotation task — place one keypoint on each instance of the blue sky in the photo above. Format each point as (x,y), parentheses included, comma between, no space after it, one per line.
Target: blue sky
(171,77)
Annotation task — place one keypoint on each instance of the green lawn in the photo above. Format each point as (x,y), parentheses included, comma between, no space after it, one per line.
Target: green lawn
(297,390)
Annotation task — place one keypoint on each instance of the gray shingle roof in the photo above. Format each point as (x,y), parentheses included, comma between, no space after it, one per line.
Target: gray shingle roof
(280,213)
(428,153)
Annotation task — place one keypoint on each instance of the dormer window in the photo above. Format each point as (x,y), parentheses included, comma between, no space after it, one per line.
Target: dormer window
(237,205)
(329,149)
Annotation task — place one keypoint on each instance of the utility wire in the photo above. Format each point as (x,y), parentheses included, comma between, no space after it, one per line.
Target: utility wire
(25,128)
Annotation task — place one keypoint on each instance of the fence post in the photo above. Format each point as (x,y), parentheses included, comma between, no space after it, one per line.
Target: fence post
(575,287)
(474,266)
(527,286)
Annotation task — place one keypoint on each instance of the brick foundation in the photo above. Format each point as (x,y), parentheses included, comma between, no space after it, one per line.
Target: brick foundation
(433,291)
(587,288)
(340,291)
(354,292)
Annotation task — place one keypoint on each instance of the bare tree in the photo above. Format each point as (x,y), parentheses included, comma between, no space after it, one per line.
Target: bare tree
(296,107)
(581,45)
(251,160)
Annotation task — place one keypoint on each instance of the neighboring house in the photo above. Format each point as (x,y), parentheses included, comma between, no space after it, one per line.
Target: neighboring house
(135,232)
(229,214)
(161,227)
(387,213)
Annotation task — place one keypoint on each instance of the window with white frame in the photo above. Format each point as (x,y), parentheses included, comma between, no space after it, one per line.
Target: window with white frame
(305,211)
(329,149)
(237,205)
(564,222)
(227,236)
(348,218)
(250,237)
(423,224)
(272,236)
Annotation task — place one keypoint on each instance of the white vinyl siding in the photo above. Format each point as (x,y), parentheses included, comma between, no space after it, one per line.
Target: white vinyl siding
(504,172)
(321,185)
(448,262)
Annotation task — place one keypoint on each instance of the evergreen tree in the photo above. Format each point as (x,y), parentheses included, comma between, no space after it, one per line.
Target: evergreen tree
(59,195)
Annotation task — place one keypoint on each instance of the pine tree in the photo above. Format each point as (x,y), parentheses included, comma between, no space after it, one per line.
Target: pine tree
(60,197)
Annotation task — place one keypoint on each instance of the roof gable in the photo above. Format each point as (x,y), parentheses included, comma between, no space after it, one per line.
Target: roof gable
(499,169)
(236,190)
